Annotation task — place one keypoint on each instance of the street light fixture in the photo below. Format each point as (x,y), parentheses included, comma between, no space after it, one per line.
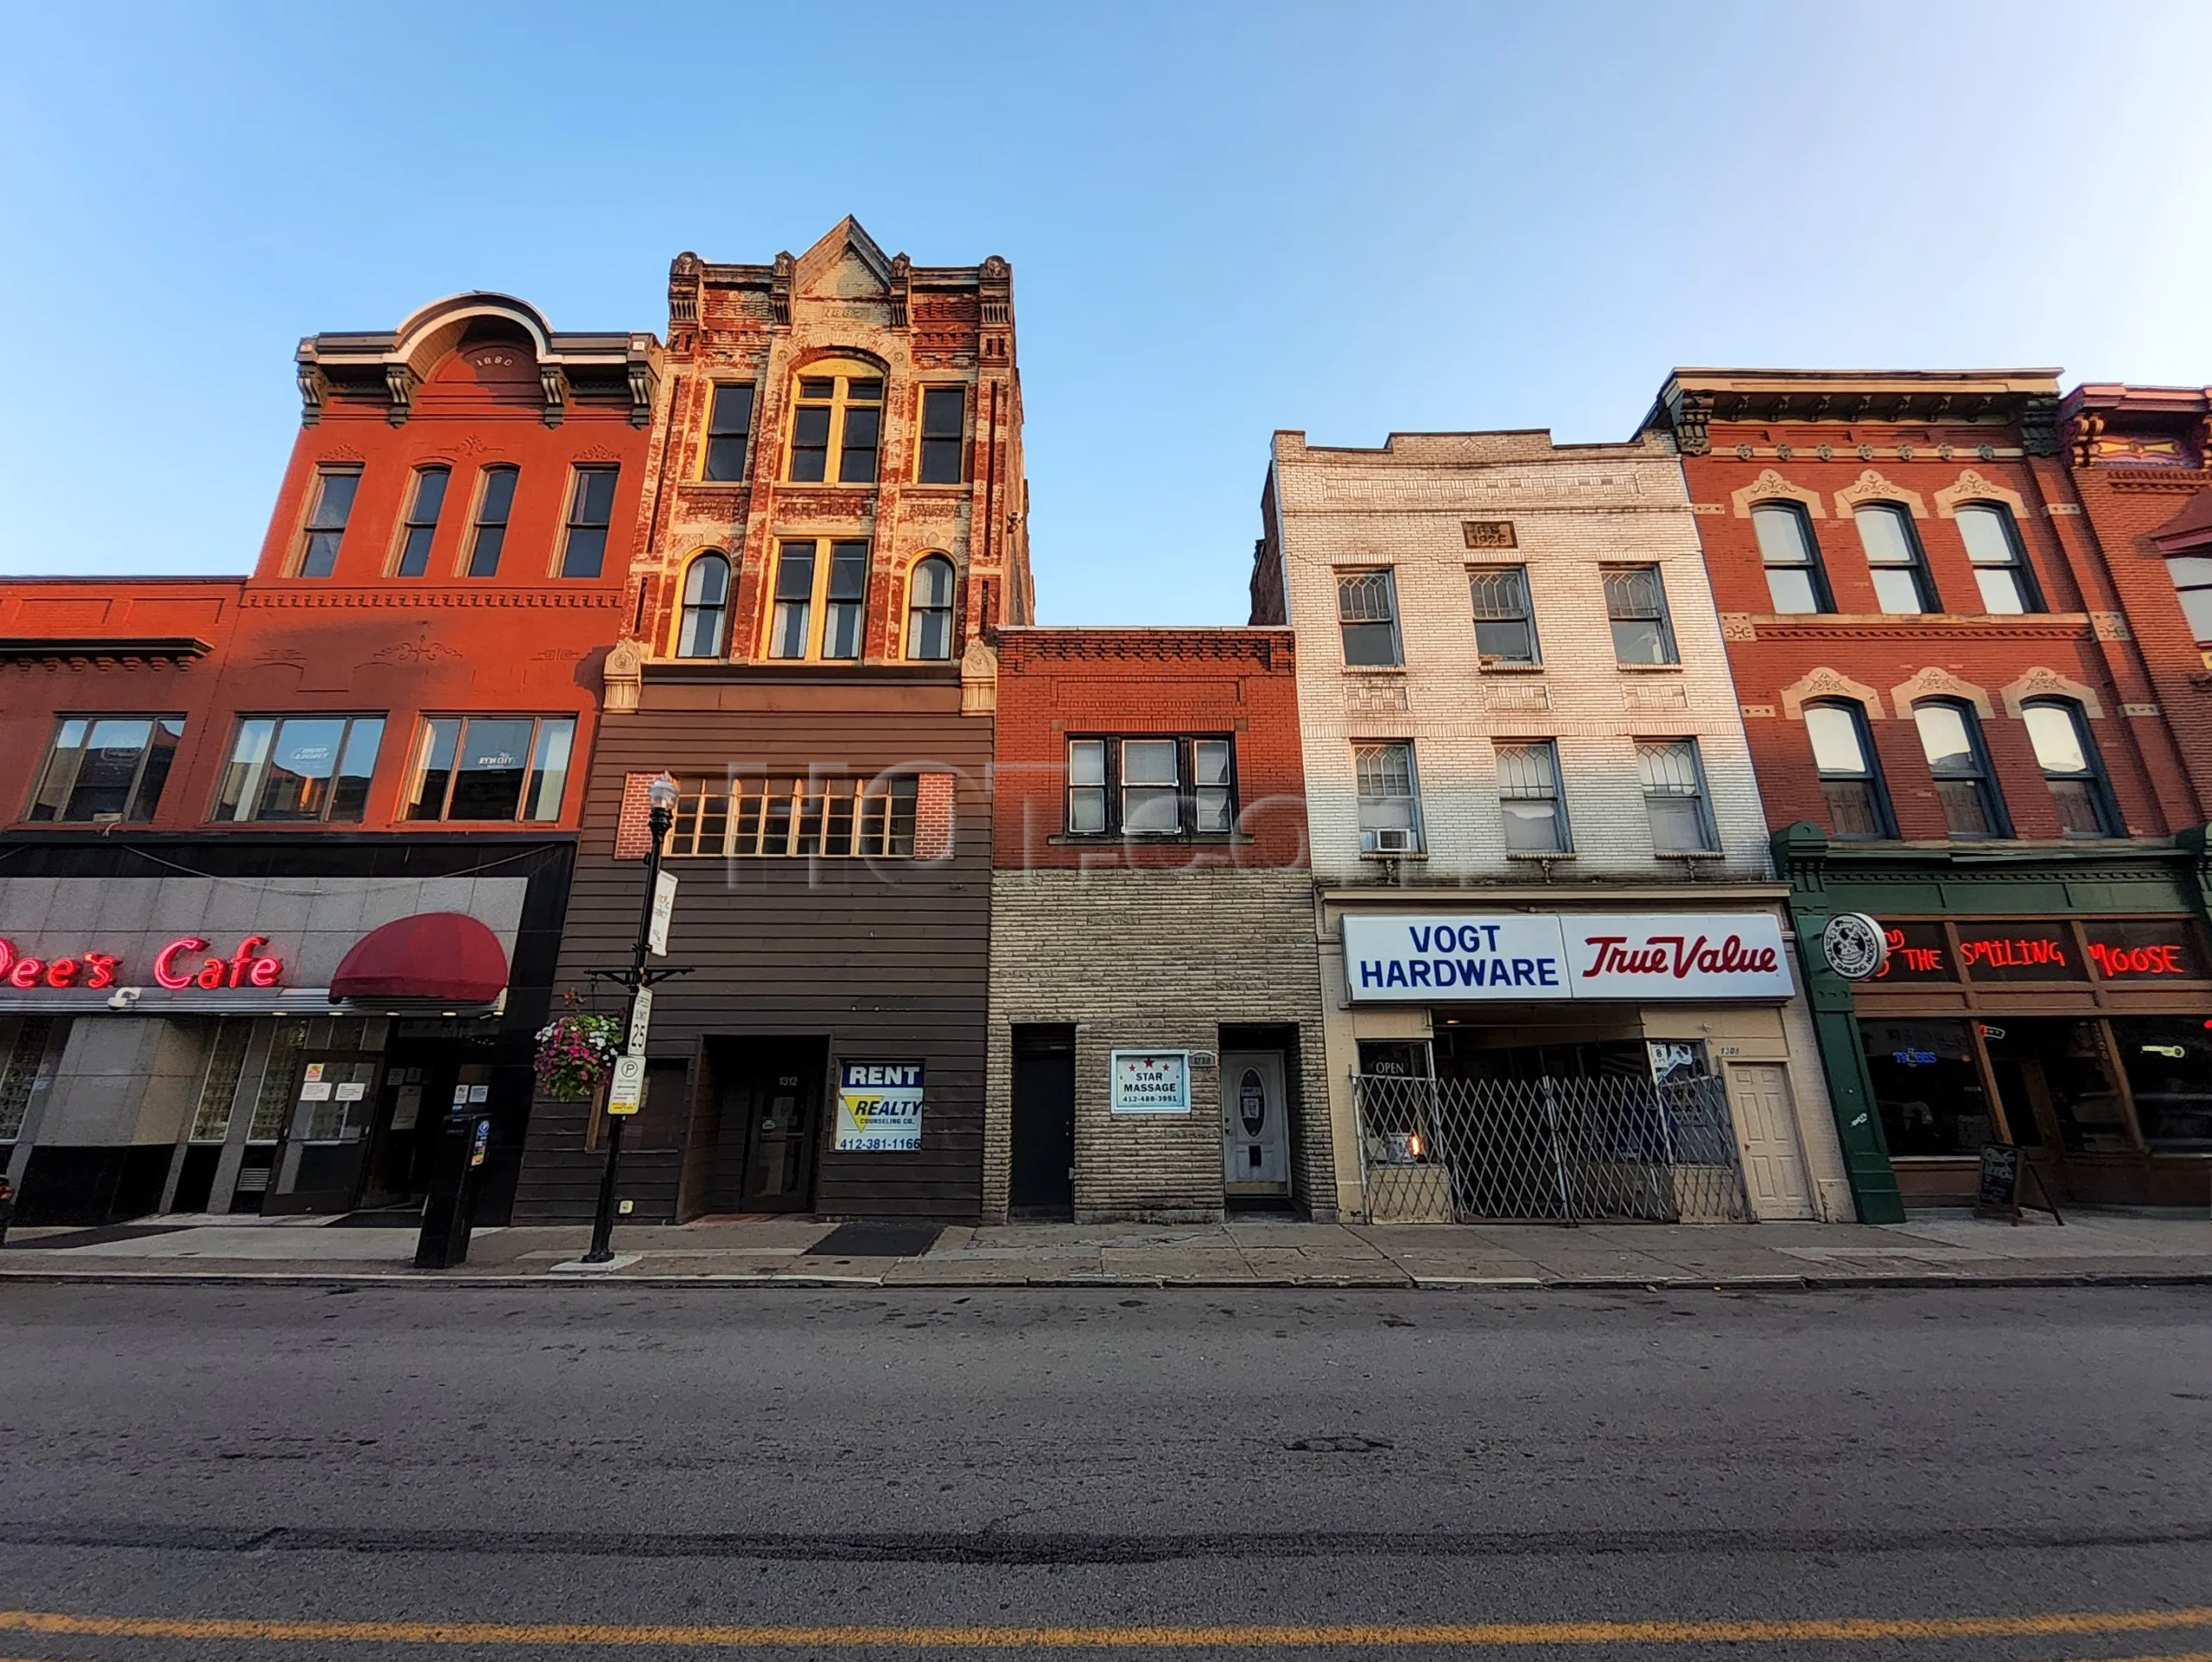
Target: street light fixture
(660,796)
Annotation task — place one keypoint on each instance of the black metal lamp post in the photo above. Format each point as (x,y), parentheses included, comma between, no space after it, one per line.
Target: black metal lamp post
(662,795)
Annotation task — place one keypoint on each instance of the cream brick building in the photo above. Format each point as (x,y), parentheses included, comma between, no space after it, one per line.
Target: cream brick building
(1516,711)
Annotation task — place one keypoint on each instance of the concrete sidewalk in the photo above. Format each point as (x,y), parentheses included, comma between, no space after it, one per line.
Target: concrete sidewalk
(1932,1249)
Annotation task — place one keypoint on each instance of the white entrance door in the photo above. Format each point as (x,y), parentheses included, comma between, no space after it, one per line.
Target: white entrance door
(1766,1122)
(1254,1123)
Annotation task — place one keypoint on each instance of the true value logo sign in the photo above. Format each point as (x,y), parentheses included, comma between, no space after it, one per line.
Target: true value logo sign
(1447,957)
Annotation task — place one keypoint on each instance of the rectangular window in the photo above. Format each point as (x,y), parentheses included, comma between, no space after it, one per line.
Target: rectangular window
(1086,786)
(1528,795)
(846,605)
(1154,785)
(1950,738)
(785,817)
(1843,755)
(1390,799)
(492,767)
(794,600)
(493,505)
(428,501)
(1794,580)
(1213,802)
(1674,796)
(1893,559)
(944,420)
(2192,580)
(2168,1059)
(1635,603)
(300,768)
(863,431)
(2001,563)
(1505,624)
(326,526)
(729,432)
(104,770)
(1151,787)
(23,1041)
(591,510)
(810,432)
(1366,611)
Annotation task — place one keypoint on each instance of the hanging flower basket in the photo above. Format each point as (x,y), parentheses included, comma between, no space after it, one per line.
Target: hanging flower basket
(575,1055)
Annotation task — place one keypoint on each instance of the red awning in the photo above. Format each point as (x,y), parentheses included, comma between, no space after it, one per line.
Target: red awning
(446,958)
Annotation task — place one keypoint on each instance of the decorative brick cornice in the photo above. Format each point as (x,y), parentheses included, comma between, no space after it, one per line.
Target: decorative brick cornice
(2182,481)
(417,600)
(1927,626)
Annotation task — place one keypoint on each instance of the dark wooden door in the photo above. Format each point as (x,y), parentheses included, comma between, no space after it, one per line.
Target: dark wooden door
(1044,1127)
(771,1122)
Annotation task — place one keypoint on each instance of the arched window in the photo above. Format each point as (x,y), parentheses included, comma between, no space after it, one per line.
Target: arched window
(2070,766)
(836,424)
(706,605)
(1851,775)
(929,609)
(1951,739)
(2001,563)
(1900,571)
(1794,578)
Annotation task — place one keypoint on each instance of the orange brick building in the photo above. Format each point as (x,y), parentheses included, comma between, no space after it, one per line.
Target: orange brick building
(387,719)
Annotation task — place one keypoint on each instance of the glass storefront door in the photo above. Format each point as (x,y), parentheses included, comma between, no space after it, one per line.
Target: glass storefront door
(322,1158)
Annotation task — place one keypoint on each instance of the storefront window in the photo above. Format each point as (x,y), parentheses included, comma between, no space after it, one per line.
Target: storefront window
(2146,950)
(1918,951)
(2018,951)
(2168,1059)
(1927,1087)
(2053,1075)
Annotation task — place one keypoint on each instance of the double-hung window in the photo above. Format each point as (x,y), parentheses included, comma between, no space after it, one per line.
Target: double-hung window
(2070,766)
(1529,797)
(1367,612)
(1505,623)
(1794,582)
(1163,786)
(427,501)
(105,770)
(325,528)
(492,767)
(1674,796)
(1389,799)
(706,604)
(1635,605)
(1959,762)
(828,580)
(928,609)
(591,510)
(945,422)
(1902,584)
(2000,563)
(300,768)
(495,501)
(2192,579)
(730,433)
(836,413)
(1851,779)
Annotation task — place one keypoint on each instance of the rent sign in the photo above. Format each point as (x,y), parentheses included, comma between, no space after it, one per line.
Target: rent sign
(1451,957)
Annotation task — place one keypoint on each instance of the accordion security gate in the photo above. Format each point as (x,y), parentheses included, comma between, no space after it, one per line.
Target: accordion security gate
(1563,1151)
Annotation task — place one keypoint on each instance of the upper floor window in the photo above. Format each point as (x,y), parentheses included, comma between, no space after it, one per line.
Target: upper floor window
(326,527)
(495,501)
(1635,603)
(706,606)
(2001,563)
(807,585)
(1851,777)
(1529,797)
(1901,581)
(427,501)
(928,609)
(1153,786)
(591,510)
(944,426)
(295,767)
(1951,740)
(492,767)
(2192,580)
(841,412)
(1794,582)
(1366,611)
(1505,624)
(729,432)
(105,770)
(2068,757)
(824,817)
(1674,796)
(1389,799)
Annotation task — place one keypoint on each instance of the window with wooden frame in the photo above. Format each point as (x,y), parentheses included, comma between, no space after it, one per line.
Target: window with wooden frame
(1367,616)
(1674,802)
(730,433)
(105,770)
(821,601)
(591,511)
(1950,737)
(837,424)
(424,504)
(945,430)
(1795,581)
(2191,575)
(928,609)
(1850,772)
(2059,730)
(2000,560)
(705,607)
(1153,785)
(1635,605)
(495,502)
(334,488)
(1505,622)
(787,816)
(1902,583)
(1388,792)
(1529,799)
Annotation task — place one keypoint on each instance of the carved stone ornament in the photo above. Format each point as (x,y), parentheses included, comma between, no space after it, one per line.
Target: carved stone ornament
(2039,424)
(2043,682)
(553,383)
(1489,533)
(314,388)
(1692,414)
(902,286)
(780,288)
(622,676)
(1871,486)
(1771,487)
(399,393)
(1971,486)
(979,679)
(684,290)
(1935,683)
(1825,682)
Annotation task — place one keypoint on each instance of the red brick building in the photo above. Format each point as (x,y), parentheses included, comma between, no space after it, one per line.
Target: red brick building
(386,720)
(1155,1025)
(1957,730)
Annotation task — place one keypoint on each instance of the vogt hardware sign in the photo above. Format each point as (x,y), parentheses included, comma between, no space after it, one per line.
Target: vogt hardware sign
(1449,958)
(879,1108)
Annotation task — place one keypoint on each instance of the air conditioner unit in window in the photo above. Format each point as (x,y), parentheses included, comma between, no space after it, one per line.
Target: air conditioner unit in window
(1391,840)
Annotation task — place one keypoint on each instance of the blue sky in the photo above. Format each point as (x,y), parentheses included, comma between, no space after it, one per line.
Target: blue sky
(1222,220)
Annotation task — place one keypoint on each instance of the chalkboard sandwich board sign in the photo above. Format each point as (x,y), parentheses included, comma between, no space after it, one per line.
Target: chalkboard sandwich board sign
(2005,1173)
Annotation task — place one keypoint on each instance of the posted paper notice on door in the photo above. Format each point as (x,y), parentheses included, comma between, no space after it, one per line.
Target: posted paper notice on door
(878,1107)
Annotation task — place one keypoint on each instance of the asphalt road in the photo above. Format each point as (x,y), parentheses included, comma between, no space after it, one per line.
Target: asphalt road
(260,1472)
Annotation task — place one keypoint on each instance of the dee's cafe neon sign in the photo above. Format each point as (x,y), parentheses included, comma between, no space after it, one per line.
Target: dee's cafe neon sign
(176,967)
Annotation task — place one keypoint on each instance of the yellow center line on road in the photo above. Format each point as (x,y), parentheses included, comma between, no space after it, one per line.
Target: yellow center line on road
(1843,1629)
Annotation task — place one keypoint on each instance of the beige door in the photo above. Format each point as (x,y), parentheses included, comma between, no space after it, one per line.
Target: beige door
(1766,1125)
